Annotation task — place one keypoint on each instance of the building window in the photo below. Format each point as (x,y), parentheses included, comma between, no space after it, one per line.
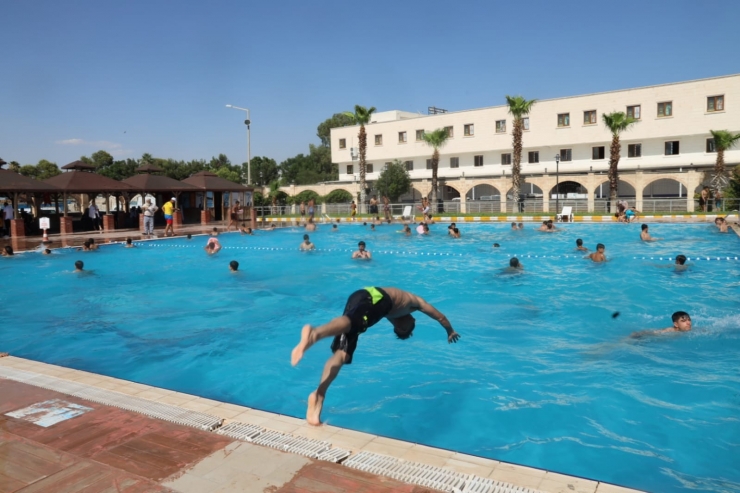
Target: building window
(564,120)
(671,148)
(533,157)
(379,140)
(566,155)
(454,162)
(342,143)
(450,132)
(506,158)
(710,146)
(385,166)
(429,164)
(500,126)
(634,150)
(665,109)
(477,160)
(401,137)
(525,123)
(715,103)
(634,111)
(419,135)
(589,117)
(597,152)
(409,165)
(369,168)
(350,169)
(469,130)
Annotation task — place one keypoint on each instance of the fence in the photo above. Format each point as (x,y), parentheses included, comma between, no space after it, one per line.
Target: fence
(528,206)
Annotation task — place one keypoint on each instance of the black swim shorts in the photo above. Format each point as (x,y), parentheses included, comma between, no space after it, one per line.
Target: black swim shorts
(364,308)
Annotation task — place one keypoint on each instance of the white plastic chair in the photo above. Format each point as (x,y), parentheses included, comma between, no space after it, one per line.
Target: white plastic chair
(406,214)
(566,216)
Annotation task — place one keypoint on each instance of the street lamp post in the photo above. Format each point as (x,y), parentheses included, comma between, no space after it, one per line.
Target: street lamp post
(248,123)
(557,185)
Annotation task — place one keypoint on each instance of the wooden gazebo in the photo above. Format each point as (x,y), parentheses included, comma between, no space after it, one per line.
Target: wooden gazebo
(12,185)
(207,181)
(147,182)
(79,179)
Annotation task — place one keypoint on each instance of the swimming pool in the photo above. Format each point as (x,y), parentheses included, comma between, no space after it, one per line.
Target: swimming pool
(542,376)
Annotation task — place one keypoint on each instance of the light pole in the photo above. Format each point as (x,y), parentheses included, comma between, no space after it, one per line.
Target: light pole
(248,123)
(557,185)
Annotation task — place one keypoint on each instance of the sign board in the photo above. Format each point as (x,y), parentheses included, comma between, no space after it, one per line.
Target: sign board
(44,223)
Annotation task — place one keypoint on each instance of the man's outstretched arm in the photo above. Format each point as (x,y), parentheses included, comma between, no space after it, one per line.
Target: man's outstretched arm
(440,317)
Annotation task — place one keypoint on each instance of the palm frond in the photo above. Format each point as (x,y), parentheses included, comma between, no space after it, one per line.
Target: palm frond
(518,106)
(724,140)
(436,138)
(617,121)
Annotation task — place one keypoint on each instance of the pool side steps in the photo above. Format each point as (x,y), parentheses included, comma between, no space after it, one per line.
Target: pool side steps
(165,412)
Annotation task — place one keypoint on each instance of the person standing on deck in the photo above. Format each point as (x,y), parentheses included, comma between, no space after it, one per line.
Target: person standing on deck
(364,308)
(169,209)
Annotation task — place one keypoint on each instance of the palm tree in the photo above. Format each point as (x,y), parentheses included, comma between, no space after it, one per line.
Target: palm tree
(616,122)
(723,140)
(436,139)
(518,108)
(360,117)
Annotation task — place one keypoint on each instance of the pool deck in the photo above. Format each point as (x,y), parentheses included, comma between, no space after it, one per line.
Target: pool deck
(108,449)
(27,243)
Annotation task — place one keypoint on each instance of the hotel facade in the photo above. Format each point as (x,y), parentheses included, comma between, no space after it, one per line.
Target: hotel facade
(665,155)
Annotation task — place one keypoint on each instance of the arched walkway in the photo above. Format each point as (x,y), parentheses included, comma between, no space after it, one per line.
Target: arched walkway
(483,192)
(530,199)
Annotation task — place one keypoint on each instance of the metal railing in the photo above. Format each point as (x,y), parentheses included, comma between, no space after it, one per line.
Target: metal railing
(528,206)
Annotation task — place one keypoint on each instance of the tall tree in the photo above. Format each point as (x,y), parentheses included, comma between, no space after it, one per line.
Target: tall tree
(616,122)
(323,131)
(360,117)
(394,181)
(264,170)
(723,140)
(46,169)
(518,108)
(14,166)
(435,139)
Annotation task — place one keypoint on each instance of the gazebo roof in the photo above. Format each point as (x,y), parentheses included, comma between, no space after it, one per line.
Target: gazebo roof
(85,182)
(157,183)
(205,180)
(148,168)
(79,165)
(11,181)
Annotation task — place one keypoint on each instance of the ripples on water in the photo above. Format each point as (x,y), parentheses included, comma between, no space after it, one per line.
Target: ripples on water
(543,374)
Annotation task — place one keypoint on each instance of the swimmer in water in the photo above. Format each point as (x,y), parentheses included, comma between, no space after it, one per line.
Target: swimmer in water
(361,252)
(129,243)
(455,233)
(213,246)
(521,226)
(514,266)
(79,266)
(645,235)
(543,227)
(579,246)
(681,323)
(306,244)
(233,266)
(46,252)
(721,224)
(450,228)
(598,255)
(514,227)
(364,309)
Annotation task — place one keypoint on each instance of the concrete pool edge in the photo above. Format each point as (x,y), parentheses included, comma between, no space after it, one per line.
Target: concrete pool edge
(354,441)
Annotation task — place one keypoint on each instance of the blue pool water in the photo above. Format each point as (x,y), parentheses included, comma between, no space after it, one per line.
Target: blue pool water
(542,376)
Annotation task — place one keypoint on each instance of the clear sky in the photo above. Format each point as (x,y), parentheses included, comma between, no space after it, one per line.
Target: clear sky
(154,76)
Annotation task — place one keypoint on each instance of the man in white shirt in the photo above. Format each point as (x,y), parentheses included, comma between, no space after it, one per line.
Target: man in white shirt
(8,214)
(149,210)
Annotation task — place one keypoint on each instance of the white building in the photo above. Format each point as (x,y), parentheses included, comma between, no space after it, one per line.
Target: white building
(672,135)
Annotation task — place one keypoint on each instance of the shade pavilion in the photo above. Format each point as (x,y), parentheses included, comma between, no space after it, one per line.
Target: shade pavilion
(13,185)
(206,182)
(78,178)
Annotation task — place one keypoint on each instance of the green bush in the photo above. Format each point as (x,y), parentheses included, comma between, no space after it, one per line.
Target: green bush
(338,197)
(305,196)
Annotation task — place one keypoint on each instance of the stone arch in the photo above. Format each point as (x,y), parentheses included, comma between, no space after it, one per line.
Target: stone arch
(449,192)
(665,188)
(569,187)
(476,192)
(624,189)
(413,195)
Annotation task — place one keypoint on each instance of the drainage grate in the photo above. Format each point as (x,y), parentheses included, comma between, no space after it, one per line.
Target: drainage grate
(241,431)
(334,455)
(307,447)
(116,399)
(474,484)
(370,462)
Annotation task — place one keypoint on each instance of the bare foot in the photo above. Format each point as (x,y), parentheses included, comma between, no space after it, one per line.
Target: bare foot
(313,413)
(298,351)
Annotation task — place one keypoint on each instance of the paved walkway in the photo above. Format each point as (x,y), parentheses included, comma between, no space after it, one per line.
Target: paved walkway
(105,449)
